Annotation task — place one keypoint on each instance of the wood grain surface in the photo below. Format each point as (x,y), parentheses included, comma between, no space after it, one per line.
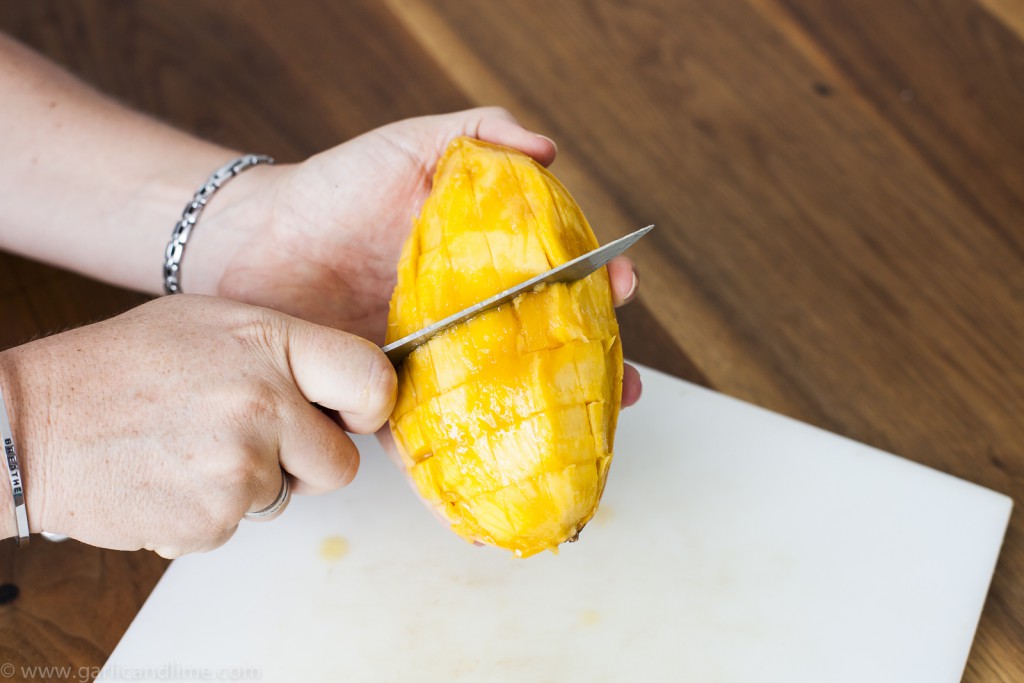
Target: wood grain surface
(838,188)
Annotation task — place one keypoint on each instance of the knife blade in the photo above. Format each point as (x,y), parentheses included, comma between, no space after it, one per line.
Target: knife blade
(570,271)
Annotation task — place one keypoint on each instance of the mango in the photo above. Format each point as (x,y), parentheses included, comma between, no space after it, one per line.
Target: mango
(505,422)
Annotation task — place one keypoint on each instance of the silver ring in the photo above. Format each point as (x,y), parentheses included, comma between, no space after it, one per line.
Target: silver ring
(282,500)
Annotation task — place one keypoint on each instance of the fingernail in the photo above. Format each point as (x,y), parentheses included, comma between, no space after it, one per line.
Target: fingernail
(545,137)
(632,287)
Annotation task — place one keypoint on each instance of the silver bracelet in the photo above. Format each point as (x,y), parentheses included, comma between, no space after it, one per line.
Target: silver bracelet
(176,247)
(14,472)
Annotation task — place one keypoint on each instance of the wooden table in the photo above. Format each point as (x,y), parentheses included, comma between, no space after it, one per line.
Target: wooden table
(838,186)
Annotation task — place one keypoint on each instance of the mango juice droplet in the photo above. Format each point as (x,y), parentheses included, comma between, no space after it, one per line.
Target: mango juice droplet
(506,422)
(333,548)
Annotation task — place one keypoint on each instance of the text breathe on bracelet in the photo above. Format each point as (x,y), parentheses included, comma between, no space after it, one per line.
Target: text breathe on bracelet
(14,473)
(176,247)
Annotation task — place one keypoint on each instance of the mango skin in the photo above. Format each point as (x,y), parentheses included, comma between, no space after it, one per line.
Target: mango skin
(506,422)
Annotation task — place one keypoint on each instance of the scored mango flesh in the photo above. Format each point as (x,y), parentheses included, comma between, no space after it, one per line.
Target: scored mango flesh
(506,421)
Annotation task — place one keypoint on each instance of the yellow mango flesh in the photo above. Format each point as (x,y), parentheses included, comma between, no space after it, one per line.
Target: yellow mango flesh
(505,422)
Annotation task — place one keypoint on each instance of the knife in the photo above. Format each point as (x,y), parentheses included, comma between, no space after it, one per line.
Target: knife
(570,271)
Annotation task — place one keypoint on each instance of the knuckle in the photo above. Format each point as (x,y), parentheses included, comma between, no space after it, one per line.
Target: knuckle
(224,512)
(235,483)
(262,330)
(263,404)
(217,540)
(235,471)
(497,112)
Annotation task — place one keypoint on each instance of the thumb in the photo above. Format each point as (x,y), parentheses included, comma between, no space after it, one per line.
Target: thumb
(430,135)
(497,125)
(342,372)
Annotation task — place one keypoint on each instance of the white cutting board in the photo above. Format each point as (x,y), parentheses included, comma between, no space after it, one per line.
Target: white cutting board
(732,545)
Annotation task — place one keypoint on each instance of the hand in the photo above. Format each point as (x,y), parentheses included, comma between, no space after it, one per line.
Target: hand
(161,427)
(321,239)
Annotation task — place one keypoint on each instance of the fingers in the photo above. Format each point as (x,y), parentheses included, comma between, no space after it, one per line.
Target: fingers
(342,372)
(624,280)
(631,385)
(319,456)
(272,509)
(208,542)
(497,125)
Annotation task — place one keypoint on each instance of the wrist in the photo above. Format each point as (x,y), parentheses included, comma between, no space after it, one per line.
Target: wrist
(157,202)
(8,527)
(27,414)
(241,208)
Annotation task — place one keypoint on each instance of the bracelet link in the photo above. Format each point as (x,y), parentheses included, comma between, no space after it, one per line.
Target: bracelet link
(183,228)
(173,253)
